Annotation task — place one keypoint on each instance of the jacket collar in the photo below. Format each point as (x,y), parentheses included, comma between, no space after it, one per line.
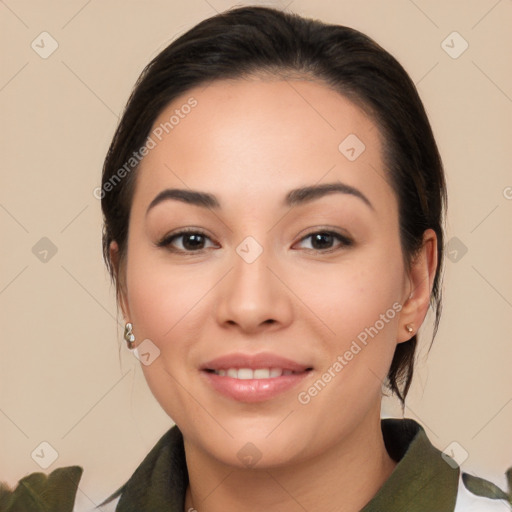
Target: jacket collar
(421,482)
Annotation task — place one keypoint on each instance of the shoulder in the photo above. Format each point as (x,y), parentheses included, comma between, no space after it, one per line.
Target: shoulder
(478,495)
(426,479)
(55,492)
(39,492)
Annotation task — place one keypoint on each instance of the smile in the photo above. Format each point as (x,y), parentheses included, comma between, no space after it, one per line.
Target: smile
(252,378)
(249,373)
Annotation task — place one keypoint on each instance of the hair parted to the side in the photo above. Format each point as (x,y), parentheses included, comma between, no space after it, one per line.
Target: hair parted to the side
(263,41)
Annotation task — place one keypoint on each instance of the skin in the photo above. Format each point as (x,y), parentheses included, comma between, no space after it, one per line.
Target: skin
(249,142)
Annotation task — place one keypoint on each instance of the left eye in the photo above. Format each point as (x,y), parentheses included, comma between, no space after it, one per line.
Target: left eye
(324,241)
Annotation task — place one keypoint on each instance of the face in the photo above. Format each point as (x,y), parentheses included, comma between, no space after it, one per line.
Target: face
(264,263)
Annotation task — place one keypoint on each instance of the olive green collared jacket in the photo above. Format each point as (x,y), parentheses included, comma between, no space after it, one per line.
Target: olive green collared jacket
(424,480)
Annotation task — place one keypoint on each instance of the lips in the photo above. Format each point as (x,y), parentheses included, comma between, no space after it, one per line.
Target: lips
(253,378)
(254,362)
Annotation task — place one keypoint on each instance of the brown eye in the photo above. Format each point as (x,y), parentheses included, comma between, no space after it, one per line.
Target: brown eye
(324,241)
(187,241)
(193,241)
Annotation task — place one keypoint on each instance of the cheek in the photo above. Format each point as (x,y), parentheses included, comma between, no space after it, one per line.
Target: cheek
(166,306)
(164,299)
(360,306)
(356,295)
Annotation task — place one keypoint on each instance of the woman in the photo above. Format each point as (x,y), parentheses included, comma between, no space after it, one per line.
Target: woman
(273,202)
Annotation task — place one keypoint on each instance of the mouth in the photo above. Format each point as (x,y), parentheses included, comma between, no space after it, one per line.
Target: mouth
(253,378)
(257,373)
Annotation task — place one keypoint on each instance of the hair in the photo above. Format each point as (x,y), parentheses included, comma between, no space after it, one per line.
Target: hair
(252,41)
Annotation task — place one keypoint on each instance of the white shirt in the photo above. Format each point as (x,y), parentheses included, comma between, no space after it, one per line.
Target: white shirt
(469,502)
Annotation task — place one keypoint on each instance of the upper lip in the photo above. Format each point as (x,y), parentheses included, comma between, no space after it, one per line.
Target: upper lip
(254,361)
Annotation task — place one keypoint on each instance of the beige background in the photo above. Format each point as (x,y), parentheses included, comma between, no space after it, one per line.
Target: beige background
(65,376)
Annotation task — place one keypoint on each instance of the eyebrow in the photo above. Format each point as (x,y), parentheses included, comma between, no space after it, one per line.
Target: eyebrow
(293,198)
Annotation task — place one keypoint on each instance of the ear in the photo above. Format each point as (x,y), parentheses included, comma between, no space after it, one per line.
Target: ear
(120,279)
(416,299)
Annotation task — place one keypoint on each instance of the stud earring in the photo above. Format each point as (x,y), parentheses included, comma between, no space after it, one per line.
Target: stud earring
(409,328)
(128,335)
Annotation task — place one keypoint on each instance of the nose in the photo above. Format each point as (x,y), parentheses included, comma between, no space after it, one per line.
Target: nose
(253,298)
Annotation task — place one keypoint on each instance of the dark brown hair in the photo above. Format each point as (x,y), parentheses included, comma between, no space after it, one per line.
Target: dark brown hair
(251,40)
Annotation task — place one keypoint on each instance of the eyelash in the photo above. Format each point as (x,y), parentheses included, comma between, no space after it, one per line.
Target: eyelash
(343,241)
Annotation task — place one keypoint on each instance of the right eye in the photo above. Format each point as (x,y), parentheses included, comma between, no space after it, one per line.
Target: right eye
(187,241)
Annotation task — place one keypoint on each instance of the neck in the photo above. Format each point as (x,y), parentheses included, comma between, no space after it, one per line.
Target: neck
(343,479)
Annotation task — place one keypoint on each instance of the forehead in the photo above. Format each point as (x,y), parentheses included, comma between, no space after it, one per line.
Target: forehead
(238,138)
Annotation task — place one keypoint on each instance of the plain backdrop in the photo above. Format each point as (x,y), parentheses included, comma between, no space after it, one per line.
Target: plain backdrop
(66,378)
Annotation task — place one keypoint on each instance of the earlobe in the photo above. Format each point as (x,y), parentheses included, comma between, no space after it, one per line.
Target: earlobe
(420,282)
(119,279)
(113,251)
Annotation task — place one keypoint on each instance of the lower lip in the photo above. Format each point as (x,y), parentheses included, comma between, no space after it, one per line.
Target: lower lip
(253,390)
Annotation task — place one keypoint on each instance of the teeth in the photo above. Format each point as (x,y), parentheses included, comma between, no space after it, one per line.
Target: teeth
(262,373)
(245,373)
(249,373)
